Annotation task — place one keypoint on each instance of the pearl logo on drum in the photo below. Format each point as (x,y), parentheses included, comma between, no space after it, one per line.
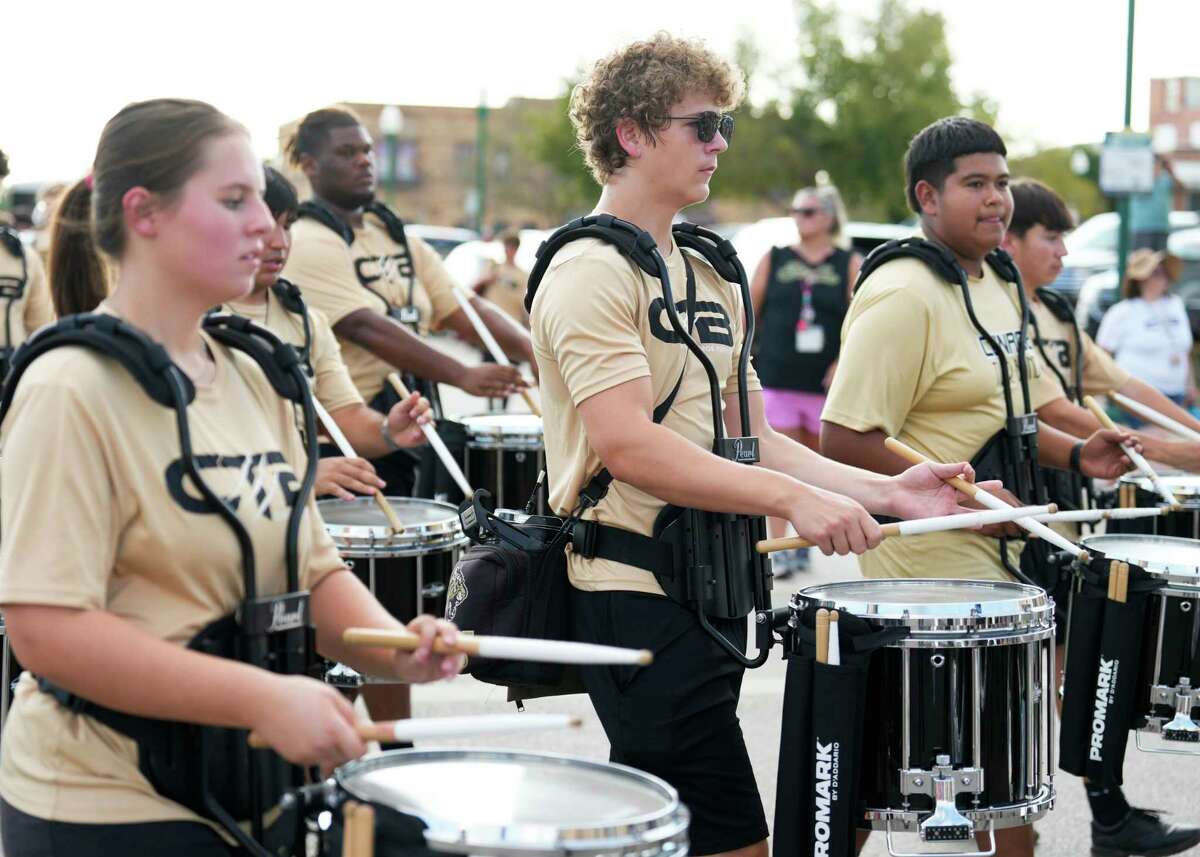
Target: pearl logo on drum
(283,619)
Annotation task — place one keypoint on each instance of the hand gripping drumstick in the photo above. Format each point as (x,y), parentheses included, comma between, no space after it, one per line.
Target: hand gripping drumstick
(1133,454)
(490,343)
(507,648)
(991,501)
(343,445)
(921,526)
(1156,417)
(435,441)
(421,728)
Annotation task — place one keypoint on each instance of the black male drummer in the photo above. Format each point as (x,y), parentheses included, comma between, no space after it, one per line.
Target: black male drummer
(1040,220)
(651,120)
(941,361)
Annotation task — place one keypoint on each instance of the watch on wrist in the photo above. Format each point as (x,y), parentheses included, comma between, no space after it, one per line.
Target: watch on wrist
(387,436)
(1076,452)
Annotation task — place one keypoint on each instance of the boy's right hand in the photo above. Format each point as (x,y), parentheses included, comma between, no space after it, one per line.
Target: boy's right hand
(834,523)
(307,722)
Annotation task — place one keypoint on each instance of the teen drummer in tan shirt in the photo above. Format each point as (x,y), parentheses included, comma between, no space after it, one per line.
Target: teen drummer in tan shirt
(650,121)
(506,282)
(25,303)
(111,562)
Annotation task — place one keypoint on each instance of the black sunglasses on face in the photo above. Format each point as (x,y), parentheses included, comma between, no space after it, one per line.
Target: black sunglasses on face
(806,212)
(708,123)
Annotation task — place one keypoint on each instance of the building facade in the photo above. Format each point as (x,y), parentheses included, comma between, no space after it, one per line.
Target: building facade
(1175,129)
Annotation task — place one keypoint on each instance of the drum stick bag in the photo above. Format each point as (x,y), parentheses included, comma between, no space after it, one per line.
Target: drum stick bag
(1100,685)
(817,800)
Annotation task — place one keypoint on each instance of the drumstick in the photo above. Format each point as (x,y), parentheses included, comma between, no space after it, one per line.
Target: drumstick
(343,445)
(991,501)
(366,831)
(822,636)
(921,526)
(490,343)
(1113,568)
(834,657)
(422,728)
(1083,516)
(436,442)
(1157,417)
(1132,454)
(1123,583)
(350,828)
(506,648)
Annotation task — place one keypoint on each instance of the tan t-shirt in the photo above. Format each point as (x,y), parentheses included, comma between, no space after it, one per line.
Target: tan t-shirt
(96,515)
(331,382)
(34,308)
(339,279)
(598,321)
(507,291)
(1101,374)
(913,366)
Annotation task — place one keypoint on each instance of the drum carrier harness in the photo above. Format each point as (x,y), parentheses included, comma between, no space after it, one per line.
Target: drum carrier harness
(12,289)
(210,770)
(703,560)
(1010,455)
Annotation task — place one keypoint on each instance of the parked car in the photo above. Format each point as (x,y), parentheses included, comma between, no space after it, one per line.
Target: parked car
(441,238)
(1092,249)
(1101,291)
(753,241)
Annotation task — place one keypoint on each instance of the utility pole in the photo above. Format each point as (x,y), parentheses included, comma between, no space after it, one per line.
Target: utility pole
(1123,201)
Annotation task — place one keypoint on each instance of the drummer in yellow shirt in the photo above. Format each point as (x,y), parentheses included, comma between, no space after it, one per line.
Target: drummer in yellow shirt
(914,366)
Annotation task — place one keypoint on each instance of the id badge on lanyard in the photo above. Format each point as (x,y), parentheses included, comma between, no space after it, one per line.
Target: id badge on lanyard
(810,337)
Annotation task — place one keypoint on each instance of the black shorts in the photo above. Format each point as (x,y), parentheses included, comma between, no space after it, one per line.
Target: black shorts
(677,718)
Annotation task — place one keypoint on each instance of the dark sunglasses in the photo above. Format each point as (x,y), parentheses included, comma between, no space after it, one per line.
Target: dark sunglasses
(807,212)
(708,123)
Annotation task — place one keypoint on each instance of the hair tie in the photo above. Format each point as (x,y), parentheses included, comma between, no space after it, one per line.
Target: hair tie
(87,180)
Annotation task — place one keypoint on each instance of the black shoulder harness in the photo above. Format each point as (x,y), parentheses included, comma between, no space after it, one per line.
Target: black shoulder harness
(292,299)
(325,215)
(12,289)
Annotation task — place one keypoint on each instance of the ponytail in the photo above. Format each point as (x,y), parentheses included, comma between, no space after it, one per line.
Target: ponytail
(77,273)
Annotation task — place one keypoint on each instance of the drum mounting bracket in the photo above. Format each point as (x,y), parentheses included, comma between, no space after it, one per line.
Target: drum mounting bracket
(943,784)
(1181,727)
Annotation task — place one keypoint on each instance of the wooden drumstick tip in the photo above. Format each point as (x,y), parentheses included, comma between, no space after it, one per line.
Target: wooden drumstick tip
(645,658)
(1085,557)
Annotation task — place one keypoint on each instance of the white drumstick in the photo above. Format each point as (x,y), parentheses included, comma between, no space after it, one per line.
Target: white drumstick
(507,648)
(921,526)
(436,442)
(1084,516)
(834,656)
(1133,454)
(991,501)
(1157,417)
(490,342)
(420,728)
(343,445)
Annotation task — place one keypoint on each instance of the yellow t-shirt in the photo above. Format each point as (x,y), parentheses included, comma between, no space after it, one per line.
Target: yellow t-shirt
(1101,374)
(913,366)
(331,382)
(598,321)
(507,291)
(339,279)
(96,515)
(34,308)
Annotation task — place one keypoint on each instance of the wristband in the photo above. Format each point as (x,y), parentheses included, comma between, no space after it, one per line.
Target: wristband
(1076,452)
(387,437)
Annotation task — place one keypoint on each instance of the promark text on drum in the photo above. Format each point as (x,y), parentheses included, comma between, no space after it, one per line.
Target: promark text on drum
(826,791)
(1106,683)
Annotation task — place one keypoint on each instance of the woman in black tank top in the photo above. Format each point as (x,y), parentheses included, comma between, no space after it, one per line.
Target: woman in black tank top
(801,293)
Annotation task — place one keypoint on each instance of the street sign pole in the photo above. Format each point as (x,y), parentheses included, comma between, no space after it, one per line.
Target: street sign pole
(1123,200)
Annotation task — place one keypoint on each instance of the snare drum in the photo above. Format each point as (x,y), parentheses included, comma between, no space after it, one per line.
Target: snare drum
(407,572)
(1169,673)
(1137,492)
(505,455)
(510,803)
(959,713)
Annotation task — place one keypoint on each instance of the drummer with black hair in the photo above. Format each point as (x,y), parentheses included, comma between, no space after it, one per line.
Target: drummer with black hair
(112,564)
(25,303)
(382,290)
(652,122)
(922,365)
(278,306)
(1034,239)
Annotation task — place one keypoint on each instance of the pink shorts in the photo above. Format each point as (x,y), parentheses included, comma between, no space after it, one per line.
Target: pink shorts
(791,409)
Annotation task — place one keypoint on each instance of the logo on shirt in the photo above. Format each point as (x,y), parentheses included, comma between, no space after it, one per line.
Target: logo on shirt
(1061,351)
(712,322)
(394,268)
(261,482)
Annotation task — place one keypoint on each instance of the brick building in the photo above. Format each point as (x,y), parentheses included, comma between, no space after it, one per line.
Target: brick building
(430,176)
(1175,128)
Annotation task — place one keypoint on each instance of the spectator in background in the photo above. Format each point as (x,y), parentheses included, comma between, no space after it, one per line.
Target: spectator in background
(5,217)
(1148,331)
(1150,213)
(801,293)
(505,282)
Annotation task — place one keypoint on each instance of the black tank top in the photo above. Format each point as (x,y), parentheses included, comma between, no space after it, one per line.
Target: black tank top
(801,298)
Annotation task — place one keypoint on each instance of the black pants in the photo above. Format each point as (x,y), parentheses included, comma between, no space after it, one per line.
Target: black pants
(677,718)
(28,836)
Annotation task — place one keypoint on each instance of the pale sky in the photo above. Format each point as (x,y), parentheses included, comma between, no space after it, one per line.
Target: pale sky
(1055,67)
